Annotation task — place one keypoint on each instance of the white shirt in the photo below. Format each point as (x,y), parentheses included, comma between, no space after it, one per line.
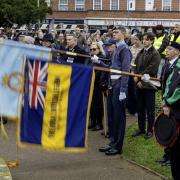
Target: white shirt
(172,61)
(146,49)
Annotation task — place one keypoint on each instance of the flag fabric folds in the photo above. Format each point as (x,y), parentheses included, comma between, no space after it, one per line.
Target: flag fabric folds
(56,106)
(11,72)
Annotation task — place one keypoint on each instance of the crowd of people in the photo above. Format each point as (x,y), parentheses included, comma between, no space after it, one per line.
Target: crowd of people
(150,54)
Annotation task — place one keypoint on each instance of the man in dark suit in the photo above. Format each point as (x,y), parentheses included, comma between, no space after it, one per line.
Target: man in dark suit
(147,62)
(71,46)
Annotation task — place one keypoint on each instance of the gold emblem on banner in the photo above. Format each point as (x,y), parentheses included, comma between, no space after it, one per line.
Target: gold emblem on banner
(14,81)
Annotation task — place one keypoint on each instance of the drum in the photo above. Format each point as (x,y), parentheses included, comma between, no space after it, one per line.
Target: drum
(166,130)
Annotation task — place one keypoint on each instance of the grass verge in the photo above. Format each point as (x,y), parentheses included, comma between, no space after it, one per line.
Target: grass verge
(144,152)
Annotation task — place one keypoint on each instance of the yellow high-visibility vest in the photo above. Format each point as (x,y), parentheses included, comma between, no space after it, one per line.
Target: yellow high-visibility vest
(177,40)
(157,43)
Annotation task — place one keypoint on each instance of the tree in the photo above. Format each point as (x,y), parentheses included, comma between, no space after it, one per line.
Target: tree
(22,12)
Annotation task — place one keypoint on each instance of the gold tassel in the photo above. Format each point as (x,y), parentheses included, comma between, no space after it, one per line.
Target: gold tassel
(12,164)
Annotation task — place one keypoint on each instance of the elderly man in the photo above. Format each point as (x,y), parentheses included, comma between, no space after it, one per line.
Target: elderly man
(171,100)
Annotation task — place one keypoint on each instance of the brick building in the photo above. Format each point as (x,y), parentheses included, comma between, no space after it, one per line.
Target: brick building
(100,14)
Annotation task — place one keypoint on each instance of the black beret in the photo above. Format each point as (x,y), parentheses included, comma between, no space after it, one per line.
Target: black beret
(175,45)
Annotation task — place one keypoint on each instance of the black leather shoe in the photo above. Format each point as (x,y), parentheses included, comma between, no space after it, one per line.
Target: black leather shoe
(148,135)
(4,121)
(166,163)
(97,128)
(162,160)
(91,126)
(105,148)
(112,152)
(137,133)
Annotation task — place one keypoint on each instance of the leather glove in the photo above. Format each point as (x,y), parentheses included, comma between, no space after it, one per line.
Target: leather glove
(145,78)
(122,96)
(95,60)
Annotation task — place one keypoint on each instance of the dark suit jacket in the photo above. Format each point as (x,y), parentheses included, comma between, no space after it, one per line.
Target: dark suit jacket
(77,59)
(147,63)
(171,90)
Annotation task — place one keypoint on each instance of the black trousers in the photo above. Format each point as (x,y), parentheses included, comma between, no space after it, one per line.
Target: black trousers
(96,112)
(146,108)
(175,160)
(131,103)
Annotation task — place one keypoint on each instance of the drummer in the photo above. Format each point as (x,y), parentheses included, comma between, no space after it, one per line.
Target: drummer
(171,99)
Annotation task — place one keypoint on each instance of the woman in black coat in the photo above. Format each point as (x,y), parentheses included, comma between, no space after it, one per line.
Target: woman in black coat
(96,113)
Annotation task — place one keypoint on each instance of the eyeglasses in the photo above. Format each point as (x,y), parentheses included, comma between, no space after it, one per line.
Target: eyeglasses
(94,49)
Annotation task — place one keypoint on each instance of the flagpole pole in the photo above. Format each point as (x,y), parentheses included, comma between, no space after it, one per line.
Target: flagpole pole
(103,68)
(68,53)
(122,72)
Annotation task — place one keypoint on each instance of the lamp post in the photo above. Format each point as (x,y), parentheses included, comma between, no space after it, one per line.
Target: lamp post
(39,19)
(128,12)
(38,3)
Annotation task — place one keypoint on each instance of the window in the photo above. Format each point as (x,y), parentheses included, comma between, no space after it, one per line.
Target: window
(48,2)
(114,4)
(80,4)
(131,5)
(149,6)
(166,5)
(63,5)
(97,4)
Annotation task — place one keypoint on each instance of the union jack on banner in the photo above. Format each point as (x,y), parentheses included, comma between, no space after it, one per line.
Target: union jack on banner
(37,72)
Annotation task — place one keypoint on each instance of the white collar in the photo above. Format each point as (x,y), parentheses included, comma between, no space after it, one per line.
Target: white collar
(172,61)
(147,48)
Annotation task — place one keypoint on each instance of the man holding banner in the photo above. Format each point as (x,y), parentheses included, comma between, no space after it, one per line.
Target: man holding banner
(121,59)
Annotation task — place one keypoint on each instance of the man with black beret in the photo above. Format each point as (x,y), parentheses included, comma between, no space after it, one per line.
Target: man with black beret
(171,99)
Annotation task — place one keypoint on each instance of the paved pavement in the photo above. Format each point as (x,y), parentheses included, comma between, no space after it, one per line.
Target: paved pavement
(36,164)
(4,171)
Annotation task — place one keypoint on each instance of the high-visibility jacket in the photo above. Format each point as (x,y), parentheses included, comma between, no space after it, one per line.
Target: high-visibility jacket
(177,40)
(157,43)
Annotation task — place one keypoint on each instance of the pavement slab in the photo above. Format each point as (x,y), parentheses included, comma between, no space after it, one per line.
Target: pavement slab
(37,164)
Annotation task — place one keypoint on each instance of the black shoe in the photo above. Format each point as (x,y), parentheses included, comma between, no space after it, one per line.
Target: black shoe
(4,121)
(148,135)
(105,148)
(112,152)
(103,134)
(91,126)
(166,163)
(137,133)
(97,128)
(162,160)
